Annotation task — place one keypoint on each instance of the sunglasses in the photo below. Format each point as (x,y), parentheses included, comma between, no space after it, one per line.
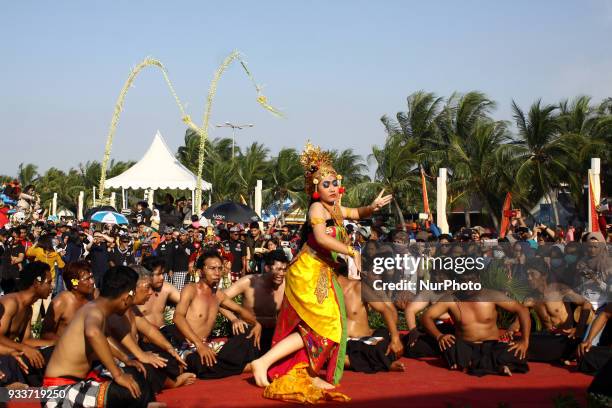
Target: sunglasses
(327,183)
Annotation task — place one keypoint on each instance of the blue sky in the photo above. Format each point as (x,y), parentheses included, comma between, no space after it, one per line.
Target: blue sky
(334,67)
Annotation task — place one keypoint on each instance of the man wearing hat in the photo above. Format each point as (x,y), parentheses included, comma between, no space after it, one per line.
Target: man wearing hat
(122,254)
(361,237)
(238,248)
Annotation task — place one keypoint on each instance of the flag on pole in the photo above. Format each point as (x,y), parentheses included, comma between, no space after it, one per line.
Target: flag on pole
(425,198)
(506,215)
(594,218)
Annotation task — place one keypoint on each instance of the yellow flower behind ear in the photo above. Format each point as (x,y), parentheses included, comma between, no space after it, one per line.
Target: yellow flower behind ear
(75,282)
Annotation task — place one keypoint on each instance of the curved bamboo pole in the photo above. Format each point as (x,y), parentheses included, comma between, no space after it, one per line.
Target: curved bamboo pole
(201,131)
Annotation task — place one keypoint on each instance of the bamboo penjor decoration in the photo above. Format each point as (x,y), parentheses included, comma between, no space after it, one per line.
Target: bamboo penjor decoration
(201,131)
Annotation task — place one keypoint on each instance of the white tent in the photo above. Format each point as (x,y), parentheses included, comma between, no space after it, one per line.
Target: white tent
(158,169)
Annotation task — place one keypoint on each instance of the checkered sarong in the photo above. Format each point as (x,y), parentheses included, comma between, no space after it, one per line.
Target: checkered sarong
(83,394)
(177,279)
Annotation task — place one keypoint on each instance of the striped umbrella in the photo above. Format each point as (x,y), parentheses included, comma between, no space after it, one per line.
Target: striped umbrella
(109,217)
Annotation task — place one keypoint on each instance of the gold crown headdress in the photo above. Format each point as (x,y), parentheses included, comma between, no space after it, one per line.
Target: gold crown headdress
(317,165)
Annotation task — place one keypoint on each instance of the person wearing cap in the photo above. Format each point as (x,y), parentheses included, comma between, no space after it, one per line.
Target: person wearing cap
(181,251)
(255,243)
(238,248)
(123,253)
(361,237)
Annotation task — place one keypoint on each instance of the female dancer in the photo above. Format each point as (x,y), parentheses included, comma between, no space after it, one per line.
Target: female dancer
(311,326)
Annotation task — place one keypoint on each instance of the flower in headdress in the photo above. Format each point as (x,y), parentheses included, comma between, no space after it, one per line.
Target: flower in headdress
(75,282)
(317,165)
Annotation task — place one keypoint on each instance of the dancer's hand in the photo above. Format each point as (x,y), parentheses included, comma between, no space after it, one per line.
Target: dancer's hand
(571,333)
(520,348)
(357,260)
(380,201)
(127,381)
(239,327)
(207,354)
(137,365)
(18,356)
(256,334)
(446,341)
(153,359)
(396,347)
(176,356)
(34,357)
(583,348)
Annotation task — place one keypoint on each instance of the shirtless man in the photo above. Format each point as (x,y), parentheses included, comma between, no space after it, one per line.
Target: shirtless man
(475,347)
(162,362)
(15,324)
(163,292)
(85,341)
(417,343)
(195,317)
(262,295)
(552,305)
(369,350)
(79,281)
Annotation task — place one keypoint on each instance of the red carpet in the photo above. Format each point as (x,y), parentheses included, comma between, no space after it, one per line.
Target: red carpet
(424,384)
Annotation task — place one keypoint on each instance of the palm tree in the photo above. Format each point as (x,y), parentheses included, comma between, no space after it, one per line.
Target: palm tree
(457,123)
(543,156)
(396,171)
(27,174)
(351,166)
(252,166)
(286,180)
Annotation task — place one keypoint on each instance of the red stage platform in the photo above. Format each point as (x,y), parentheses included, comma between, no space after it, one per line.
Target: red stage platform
(424,384)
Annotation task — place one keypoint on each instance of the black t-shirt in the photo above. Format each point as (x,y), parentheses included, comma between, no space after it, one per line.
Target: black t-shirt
(11,271)
(119,257)
(98,254)
(164,251)
(144,216)
(180,256)
(238,249)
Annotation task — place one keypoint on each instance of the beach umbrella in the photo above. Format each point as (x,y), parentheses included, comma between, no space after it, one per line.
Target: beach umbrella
(229,211)
(94,210)
(109,217)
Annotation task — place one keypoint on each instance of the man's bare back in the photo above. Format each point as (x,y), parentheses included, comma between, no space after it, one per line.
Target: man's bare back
(21,315)
(72,355)
(61,312)
(153,309)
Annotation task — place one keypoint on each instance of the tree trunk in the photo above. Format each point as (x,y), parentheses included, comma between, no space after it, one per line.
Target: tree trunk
(400,216)
(467,218)
(553,205)
(492,214)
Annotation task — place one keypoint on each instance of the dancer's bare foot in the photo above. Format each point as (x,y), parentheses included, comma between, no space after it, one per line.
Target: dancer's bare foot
(505,370)
(397,366)
(157,405)
(185,379)
(248,368)
(320,383)
(260,373)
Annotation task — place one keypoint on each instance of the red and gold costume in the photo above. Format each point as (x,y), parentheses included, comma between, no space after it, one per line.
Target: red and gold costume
(313,307)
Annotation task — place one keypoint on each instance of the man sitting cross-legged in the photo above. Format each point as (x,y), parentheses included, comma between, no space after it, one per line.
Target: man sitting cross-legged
(552,303)
(85,341)
(163,292)
(162,362)
(262,295)
(15,326)
(195,317)
(369,350)
(79,281)
(418,344)
(475,347)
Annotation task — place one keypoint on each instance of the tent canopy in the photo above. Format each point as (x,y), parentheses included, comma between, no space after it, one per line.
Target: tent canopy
(158,169)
